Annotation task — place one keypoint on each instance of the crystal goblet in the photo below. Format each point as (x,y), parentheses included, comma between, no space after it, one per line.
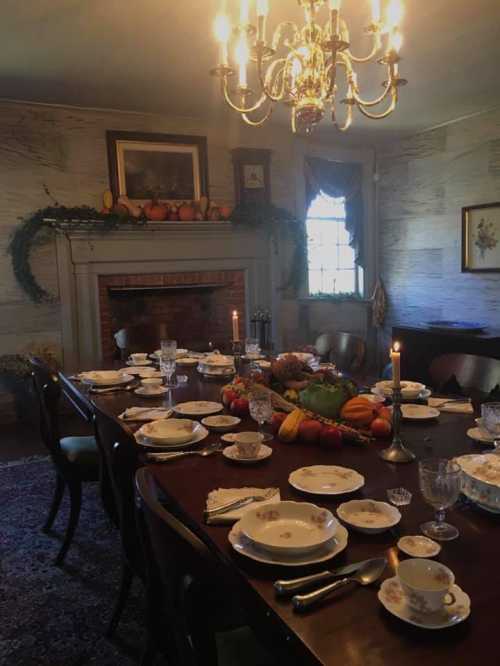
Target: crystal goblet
(261,410)
(440,483)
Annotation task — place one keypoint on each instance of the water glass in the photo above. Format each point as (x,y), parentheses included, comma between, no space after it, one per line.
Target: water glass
(252,348)
(261,410)
(490,413)
(168,358)
(440,483)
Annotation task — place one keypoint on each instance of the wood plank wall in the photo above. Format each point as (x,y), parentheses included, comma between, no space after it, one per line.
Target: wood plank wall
(424,183)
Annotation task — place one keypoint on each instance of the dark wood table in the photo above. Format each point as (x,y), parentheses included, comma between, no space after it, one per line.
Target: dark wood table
(352,629)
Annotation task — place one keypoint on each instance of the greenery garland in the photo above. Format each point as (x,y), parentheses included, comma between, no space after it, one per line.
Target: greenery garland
(40,227)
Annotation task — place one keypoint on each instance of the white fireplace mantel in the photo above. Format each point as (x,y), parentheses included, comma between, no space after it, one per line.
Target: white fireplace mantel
(165,247)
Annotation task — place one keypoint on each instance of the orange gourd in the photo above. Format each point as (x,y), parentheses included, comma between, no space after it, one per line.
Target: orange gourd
(358,411)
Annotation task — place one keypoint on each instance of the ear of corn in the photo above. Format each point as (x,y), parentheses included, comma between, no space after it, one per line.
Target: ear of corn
(290,427)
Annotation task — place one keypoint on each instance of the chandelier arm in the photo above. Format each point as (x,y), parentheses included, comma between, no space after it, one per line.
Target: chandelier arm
(348,121)
(264,82)
(377,45)
(278,34)
(241,109)
(373,102)
(258,123)
(384,114)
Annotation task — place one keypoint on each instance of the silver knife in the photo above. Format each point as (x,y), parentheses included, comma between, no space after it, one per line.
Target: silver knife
(288,587)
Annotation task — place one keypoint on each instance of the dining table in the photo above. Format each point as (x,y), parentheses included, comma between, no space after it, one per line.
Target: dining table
(351,628)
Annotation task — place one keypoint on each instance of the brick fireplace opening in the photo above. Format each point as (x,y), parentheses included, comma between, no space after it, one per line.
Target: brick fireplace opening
(196,307)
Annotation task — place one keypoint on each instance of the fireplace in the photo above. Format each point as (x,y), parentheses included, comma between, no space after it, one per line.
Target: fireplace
(193,307)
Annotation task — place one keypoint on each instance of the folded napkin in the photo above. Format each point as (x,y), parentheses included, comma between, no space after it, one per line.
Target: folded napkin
(145,414)
(455,407)
(225,495)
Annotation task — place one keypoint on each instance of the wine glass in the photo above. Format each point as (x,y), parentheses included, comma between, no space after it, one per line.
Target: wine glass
(440,483)
(168,360)
(261,411)
(252,348)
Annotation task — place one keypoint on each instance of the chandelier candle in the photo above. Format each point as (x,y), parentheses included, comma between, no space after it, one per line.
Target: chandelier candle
(396,365)
(302,65)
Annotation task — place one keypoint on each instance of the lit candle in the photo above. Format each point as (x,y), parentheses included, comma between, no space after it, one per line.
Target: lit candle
(244,11)
(262,7)
(335,4)
(394,14)
(375,11)
(242,56)
(236,326)
(262,12)
(396,365)
(222,31)
(395,40)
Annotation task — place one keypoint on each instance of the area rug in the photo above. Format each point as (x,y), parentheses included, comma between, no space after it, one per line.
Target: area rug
(56,616)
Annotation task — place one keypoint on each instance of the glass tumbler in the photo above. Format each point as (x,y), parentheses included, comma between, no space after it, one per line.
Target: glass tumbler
(168,360)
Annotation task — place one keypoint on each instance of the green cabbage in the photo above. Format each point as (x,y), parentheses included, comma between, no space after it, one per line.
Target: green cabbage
(327,399)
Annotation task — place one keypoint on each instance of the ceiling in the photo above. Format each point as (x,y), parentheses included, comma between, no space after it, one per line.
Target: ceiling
(154,55)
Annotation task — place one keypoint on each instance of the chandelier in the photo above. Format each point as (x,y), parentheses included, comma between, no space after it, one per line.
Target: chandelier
(302,67)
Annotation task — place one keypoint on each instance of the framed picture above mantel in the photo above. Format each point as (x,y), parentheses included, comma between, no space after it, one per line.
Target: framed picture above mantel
(252,182)
(167,167)
(481,238)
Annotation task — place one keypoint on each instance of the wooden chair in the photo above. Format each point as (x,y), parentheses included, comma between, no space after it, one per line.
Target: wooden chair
(475,376)
(142,337)
(119,452)
(75,459)
(346,350)
(190,588)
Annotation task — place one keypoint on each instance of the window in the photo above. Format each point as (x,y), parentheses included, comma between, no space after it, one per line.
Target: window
(331,267)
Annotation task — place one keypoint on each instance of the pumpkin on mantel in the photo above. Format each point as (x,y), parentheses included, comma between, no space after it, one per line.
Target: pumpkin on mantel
(187,212)
(156,211)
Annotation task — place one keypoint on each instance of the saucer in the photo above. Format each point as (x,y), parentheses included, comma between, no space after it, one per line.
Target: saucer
(231,452)
(198,408)
(229,437)
(392,598)
(134,364)
(419,546)
(479,436)
(150,393)
(326,480)
(369,516)
(221,422)
(246,547)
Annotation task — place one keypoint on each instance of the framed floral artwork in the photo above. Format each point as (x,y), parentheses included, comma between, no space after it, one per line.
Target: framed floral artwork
(168,167)
(481,238)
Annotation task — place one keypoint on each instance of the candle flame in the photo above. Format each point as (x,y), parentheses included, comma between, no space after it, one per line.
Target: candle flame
(235,313)
(394,14)
(396,347)
(222,28)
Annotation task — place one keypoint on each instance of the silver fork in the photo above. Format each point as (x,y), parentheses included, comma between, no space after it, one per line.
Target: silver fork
(114,389)
(174,455)
(237,504)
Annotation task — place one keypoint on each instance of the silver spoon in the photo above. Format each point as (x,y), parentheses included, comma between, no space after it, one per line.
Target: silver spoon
(174,455)
(367,574)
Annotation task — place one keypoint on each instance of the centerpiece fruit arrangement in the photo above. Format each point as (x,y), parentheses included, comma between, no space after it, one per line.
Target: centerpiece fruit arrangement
(313,407)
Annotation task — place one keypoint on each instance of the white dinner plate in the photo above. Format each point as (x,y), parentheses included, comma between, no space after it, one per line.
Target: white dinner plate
(391,596)
(231,452)
(198,436)
(221,422)
(151,391)
(479,436)
(418,412)
(426,393)
(105,378)
(198,408)
(326,480)
(244,546)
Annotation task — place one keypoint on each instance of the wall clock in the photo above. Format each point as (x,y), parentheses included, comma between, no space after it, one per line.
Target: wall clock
(251,175)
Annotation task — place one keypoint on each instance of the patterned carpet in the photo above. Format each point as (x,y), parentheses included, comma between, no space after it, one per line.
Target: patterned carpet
(52,616)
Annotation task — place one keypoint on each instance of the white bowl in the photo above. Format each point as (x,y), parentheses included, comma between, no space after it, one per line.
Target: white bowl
(217,361)
(105,377)
(481,479)
(409,390)
(288,527)
(170,431)
(221,422)
(369,516)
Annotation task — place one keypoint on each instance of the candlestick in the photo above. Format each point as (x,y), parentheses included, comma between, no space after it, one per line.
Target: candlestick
(396,365)
(396,452)
(236,326)
(242,57)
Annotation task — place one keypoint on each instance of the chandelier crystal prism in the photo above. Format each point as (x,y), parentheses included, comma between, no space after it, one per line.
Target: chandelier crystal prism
(304,67)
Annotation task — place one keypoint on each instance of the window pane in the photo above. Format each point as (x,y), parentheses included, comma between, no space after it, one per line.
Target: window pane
(330,258)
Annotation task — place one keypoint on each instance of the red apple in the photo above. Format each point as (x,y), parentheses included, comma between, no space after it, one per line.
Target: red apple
(309,431)
(228,395)
(276,421)
(239,407)
(380,428)
(330,437)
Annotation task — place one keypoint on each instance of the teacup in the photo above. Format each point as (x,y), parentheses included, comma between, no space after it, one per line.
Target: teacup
(151,382)
(248,444)
(426,584)
(138,358)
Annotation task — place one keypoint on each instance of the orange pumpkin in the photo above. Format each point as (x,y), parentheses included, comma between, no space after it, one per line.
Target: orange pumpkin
(358,411)
(173,215)
(186,212)
(156,211)
(225,212)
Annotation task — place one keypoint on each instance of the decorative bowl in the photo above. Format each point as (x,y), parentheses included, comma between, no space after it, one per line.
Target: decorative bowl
(171,431)
(481,479)
(409,390)
(369,516)
(289,527)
